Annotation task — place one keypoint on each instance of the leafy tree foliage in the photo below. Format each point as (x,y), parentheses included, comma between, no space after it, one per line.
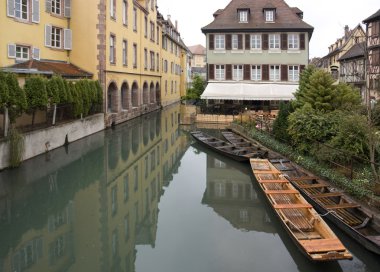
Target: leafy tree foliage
(35,89)
(17,103)
(197,88)
(280,125)
(317,89)
(52,89)
(4,92)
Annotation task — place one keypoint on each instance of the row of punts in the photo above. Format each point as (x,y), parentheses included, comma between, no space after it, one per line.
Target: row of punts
(297,197)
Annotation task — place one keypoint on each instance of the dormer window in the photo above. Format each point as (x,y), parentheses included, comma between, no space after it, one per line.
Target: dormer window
(269,15)
(243,16)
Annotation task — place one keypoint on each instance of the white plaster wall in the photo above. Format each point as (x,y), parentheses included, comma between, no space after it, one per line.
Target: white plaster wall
(38,142)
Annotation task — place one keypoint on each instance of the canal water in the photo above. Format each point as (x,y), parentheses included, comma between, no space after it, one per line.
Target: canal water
(144,197)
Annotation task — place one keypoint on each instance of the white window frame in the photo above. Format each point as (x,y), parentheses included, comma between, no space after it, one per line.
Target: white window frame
(219,72)
(19,12)
(293,41)
(256,73)
(274,73)
(134,19)
(112,49)
(22,51)
(235,42)
(274,42)
(134,55)
(112,9)
(125,52)
(293,73)
(145,59)
(125,12)
(220,42)
(56,7)
(256,42)
(269,15)
(237,72)
(243,16)
(56,37)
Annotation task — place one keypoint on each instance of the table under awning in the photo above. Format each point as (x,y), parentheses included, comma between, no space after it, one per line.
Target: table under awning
(249,91)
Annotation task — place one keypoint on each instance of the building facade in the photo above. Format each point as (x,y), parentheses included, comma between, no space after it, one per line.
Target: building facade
(198,60)
(255,53)
(373,53)
(330,62)
(125,44)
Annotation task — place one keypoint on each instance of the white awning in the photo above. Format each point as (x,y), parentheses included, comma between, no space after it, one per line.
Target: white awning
(249,91)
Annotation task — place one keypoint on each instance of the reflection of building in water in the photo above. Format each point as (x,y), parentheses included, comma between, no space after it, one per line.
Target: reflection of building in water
(230,193)
(90,213)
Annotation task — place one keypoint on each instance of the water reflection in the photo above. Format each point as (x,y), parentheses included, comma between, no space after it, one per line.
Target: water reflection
(86,208)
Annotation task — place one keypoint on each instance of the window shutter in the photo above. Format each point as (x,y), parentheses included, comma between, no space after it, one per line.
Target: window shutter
(247,72)
(48,6)
(211,42)
(36,53)
(265,41)
(240,41)
(265,75)
(36,11)
(247,42)
(67,8)
(11,51)
(211,71)
(228,42)
(302,41)
(228,72)
(284,72)
(11,8)
(48,35)
(67,39)
(284,41)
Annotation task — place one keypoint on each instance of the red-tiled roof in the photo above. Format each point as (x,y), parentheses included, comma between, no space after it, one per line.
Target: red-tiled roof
(197,49)
(286,18)
(63,69)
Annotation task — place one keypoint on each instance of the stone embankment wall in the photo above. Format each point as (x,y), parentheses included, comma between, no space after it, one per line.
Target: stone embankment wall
(41,141)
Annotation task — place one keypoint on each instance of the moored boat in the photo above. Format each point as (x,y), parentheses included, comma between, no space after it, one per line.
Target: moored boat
(225,148)
(304,225)
(334,205)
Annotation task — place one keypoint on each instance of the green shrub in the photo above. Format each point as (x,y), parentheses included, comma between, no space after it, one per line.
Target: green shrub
(17,103)
(36,94)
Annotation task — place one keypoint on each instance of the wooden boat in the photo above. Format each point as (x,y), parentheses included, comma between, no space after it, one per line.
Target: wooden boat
(225,148)
(332,204)
(304,225)
(239,141)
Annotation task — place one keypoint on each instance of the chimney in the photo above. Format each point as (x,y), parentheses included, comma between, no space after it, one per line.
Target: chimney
(176,25)
(346,31)
(169,17)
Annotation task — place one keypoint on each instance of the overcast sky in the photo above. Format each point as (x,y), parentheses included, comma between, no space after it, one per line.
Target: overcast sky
(328,17)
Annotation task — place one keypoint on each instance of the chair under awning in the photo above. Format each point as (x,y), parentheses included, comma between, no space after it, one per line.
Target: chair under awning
(249,91)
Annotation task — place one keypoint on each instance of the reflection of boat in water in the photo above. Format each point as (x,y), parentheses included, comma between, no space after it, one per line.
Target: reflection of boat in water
(306,228)
(344,213)
(225,148)
(249,214)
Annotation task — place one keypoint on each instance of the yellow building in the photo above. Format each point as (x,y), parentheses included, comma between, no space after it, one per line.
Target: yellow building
(135,53)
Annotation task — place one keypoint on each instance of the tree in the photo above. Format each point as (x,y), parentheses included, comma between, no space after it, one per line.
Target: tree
(17,103)
(281,124)
(4,92)
(317,88)
(36,94)
(198,86)
(52,89)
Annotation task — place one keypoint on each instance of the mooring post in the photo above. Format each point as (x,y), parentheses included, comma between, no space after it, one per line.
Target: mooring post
(6,122)
(54,114)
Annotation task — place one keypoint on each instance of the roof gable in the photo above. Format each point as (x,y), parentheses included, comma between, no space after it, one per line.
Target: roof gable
(286,18)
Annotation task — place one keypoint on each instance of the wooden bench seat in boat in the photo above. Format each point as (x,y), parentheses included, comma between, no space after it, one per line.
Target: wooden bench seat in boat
(323,195)
(292,206)
(322,245)
(272,192)
(318,185)
(273,181)
(342,206)
(305,178)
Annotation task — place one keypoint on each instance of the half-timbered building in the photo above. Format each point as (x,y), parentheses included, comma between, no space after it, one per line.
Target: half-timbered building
(373,51)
